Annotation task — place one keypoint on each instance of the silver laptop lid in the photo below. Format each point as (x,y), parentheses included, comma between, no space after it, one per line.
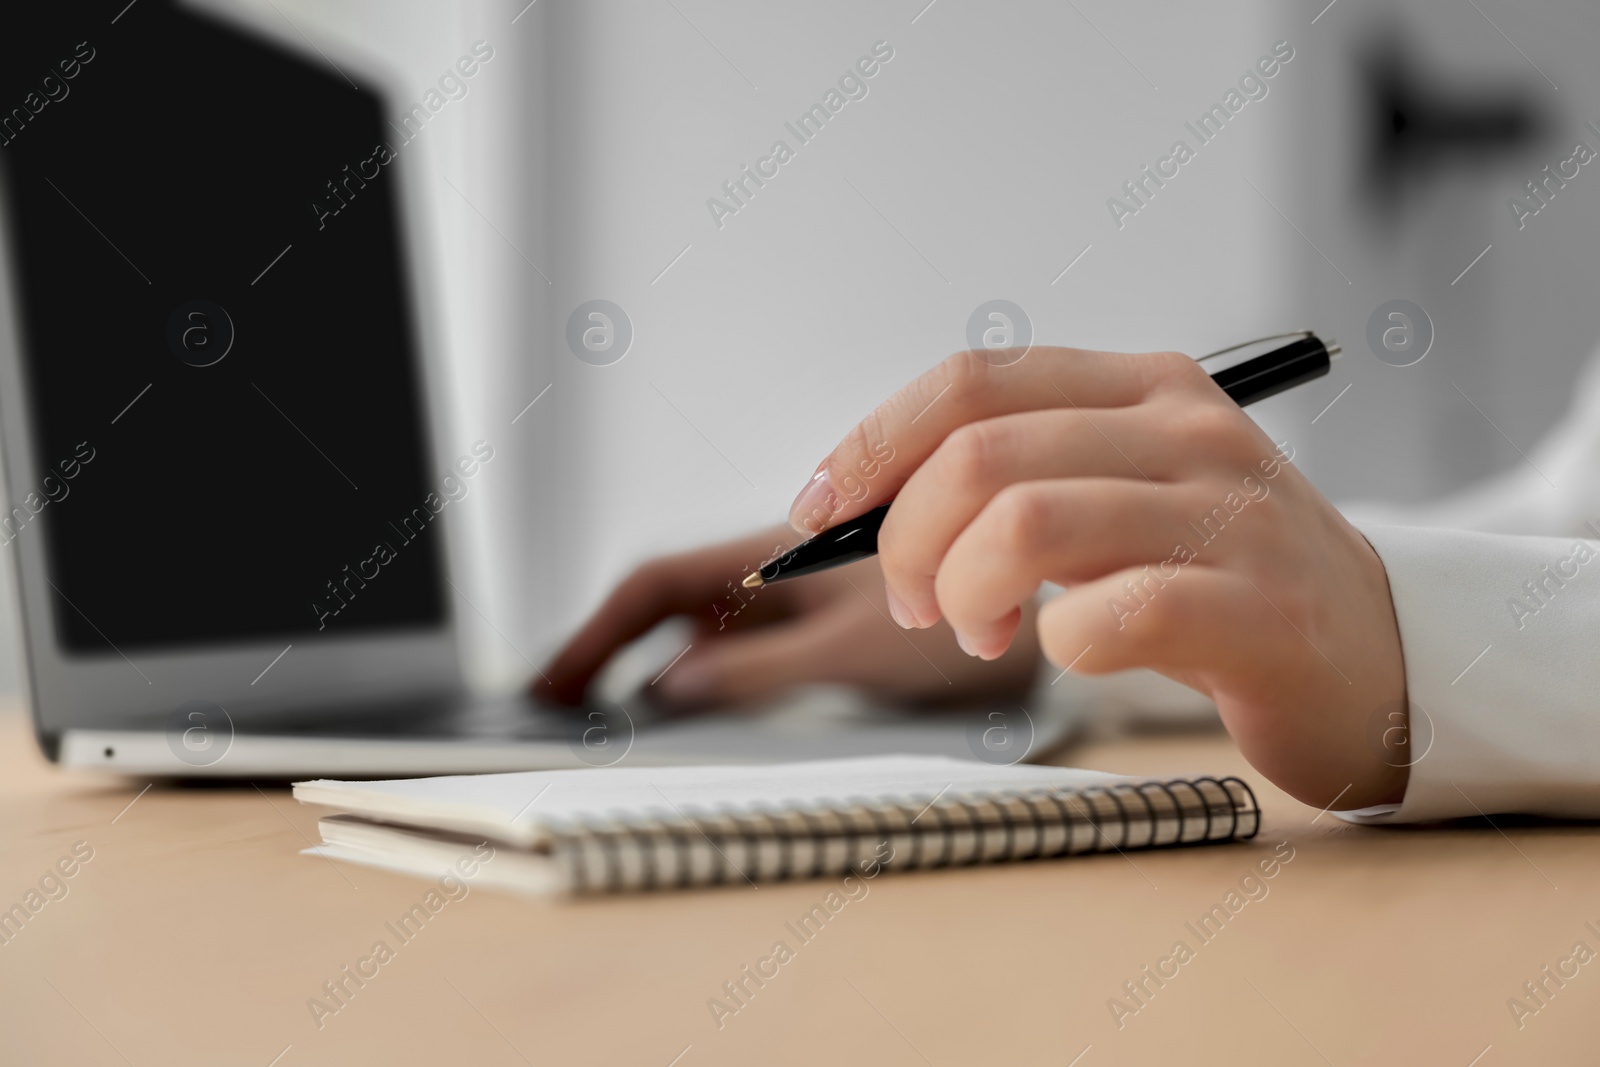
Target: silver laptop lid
(213,392)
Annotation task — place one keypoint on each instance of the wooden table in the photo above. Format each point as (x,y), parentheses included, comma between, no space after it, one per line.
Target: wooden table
(197,934)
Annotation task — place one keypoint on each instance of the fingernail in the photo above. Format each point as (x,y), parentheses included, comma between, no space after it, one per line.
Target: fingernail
(966,645)
(898,611)
(815,505)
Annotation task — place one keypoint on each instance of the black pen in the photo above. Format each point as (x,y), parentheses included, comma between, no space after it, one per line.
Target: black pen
(1302,360)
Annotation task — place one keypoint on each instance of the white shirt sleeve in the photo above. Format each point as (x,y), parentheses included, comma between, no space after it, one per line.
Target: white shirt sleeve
(1501,637)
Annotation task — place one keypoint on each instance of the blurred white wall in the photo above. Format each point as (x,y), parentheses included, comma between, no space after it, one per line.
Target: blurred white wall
(978,166)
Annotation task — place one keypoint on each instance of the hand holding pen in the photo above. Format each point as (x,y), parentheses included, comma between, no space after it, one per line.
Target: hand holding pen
(836,543)
(1184,539)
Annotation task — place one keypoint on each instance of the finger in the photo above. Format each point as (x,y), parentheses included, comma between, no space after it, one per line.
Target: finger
(1204,619)
(1066,531)
(689,584)
(750,667)
(876,458)
(978,460)
(1237,642)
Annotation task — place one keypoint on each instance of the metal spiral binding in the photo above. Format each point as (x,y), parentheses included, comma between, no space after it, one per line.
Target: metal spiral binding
(729,846)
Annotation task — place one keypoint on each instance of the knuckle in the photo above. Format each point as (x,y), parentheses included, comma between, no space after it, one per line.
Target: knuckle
(646,574)
(1174,369)
(1020,517)
(967,375)
(1211,428)
(1141,615)
(651,580)
(967,456)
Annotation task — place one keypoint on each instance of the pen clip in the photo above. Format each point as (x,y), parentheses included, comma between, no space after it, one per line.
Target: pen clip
(1259,340)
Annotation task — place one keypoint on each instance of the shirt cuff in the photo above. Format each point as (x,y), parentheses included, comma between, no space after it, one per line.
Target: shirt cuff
(1498,634)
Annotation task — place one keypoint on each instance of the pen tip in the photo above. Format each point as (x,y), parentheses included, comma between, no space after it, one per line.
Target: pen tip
(753,581)
(1335,349)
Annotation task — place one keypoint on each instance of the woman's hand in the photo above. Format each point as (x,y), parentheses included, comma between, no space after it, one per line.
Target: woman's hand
(754,644)
(1186,542)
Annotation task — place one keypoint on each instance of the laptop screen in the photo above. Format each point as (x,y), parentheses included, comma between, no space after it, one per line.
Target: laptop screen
(228,428)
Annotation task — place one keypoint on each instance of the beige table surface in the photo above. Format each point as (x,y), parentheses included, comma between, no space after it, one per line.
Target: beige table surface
(197,934)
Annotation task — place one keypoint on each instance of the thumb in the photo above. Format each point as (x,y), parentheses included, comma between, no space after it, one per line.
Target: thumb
(750,666)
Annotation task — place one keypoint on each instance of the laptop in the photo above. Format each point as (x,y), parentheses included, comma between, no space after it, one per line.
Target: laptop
(229,498)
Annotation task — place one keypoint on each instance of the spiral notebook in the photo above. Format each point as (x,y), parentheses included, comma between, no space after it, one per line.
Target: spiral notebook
(644,828)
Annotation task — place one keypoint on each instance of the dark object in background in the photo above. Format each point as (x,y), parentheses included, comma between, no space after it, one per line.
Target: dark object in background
(1417,126)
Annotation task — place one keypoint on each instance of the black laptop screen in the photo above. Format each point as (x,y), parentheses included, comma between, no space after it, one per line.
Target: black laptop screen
(223,381)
